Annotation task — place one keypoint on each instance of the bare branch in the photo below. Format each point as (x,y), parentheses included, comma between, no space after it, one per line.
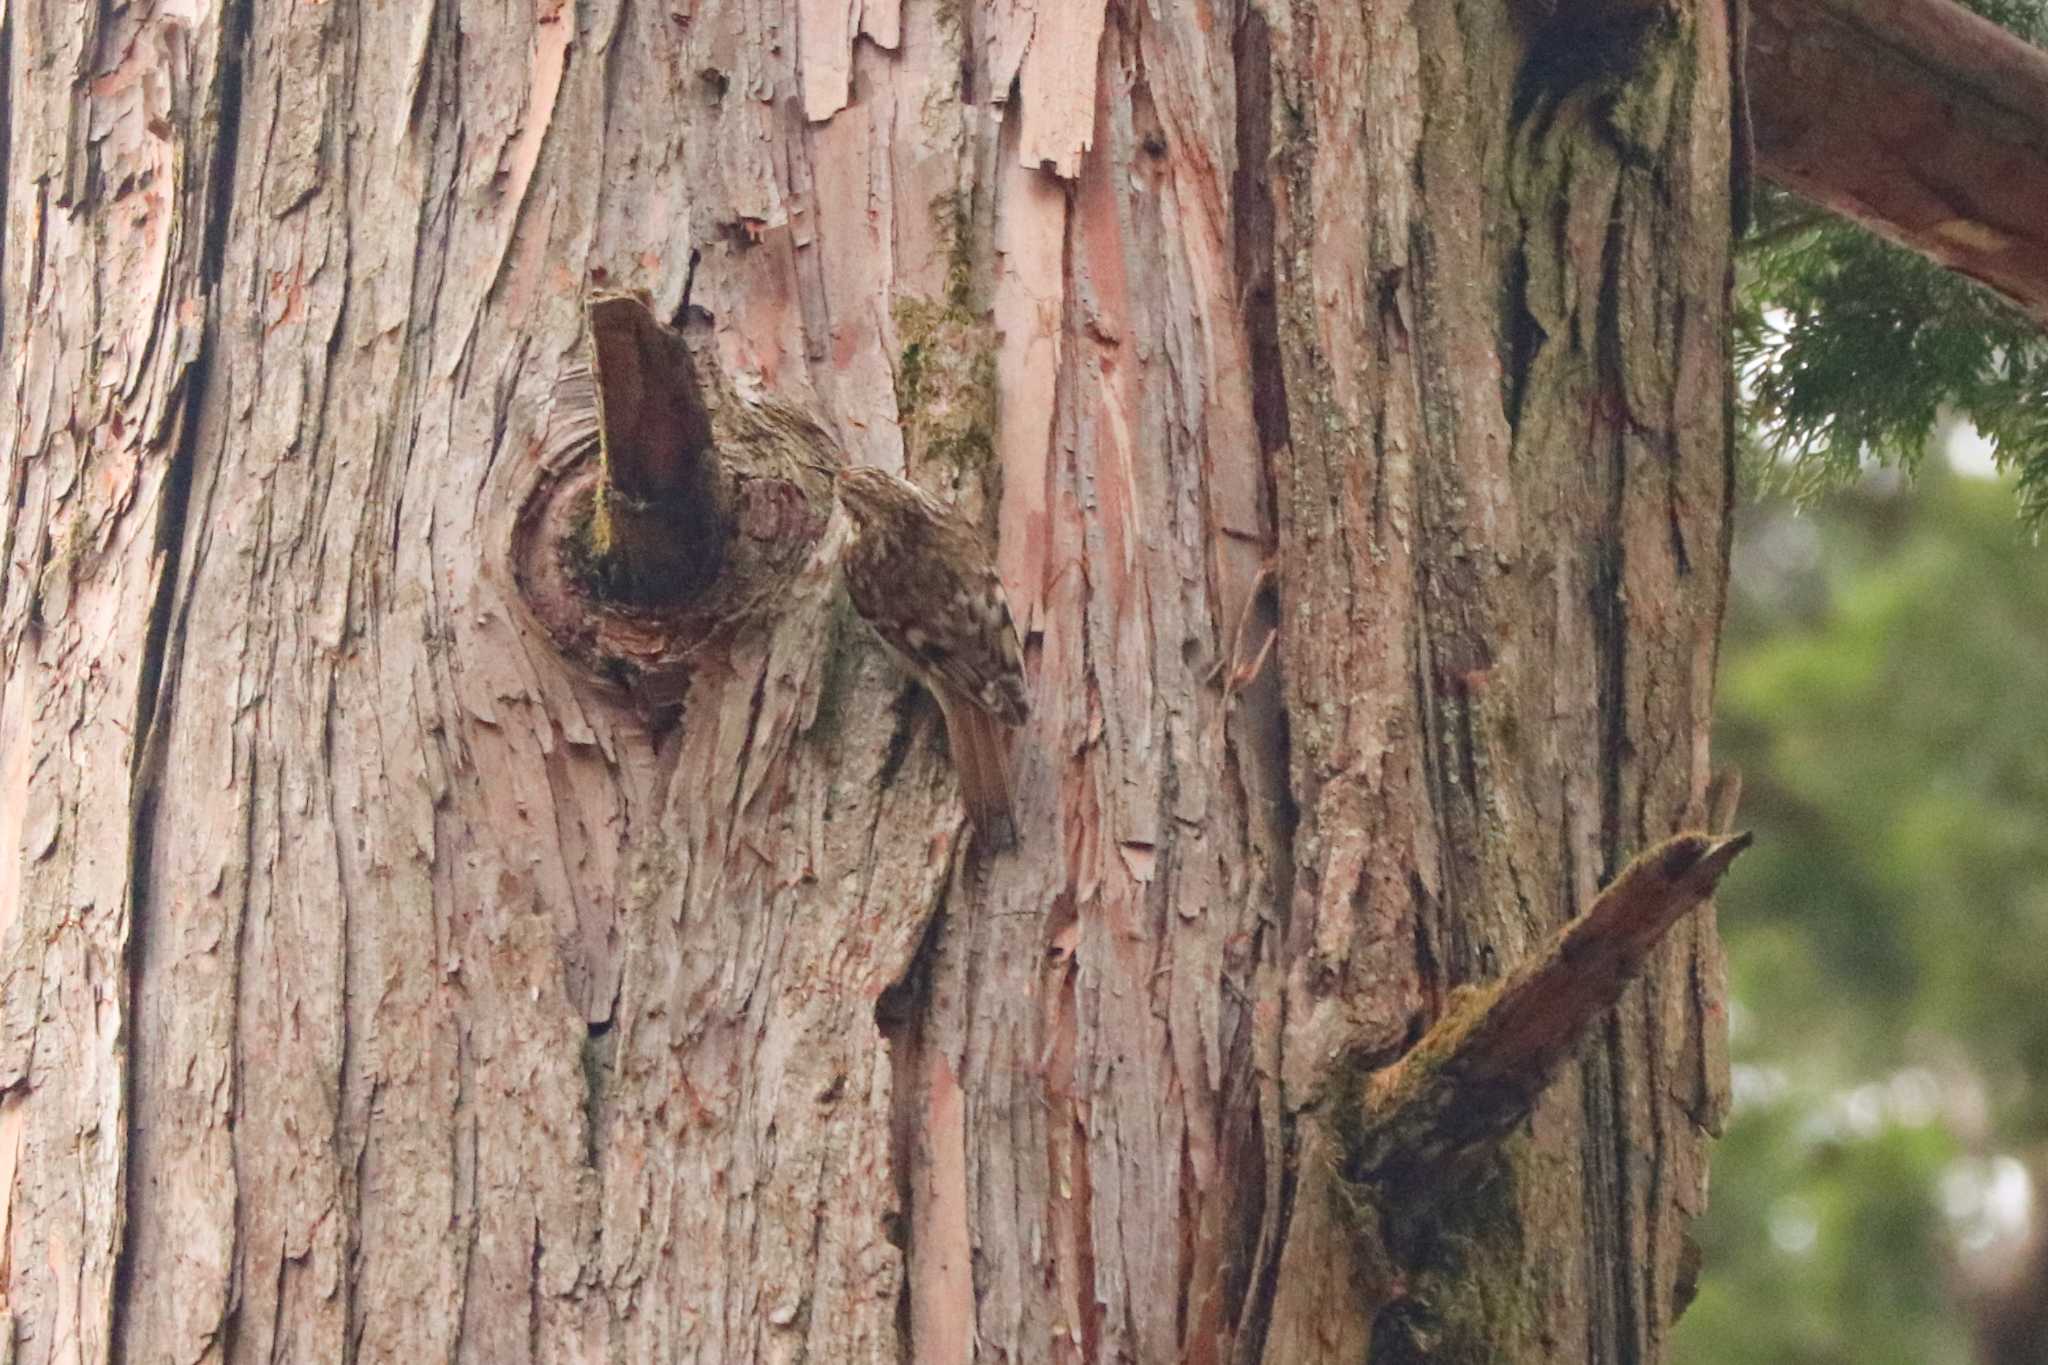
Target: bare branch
(1915,118)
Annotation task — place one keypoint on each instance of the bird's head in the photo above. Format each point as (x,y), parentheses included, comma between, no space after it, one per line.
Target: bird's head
(871,495)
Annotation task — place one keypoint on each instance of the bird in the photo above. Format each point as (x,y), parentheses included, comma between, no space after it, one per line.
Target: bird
(924,577)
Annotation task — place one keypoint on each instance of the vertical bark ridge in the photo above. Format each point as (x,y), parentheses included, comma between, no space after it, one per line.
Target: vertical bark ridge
(211,203)
(6,181)
(102,297)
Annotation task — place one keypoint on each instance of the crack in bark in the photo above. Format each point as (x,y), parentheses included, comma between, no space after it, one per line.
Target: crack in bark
(163,638)
(1259,744)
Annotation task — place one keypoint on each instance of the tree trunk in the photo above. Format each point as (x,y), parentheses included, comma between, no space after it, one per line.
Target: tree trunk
(383,981)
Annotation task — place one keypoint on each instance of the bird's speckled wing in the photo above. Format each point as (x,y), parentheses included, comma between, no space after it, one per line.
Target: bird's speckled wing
(933,595)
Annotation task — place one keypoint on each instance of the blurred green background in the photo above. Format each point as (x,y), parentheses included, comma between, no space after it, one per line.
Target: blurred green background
(1884,689)
(1879,1193)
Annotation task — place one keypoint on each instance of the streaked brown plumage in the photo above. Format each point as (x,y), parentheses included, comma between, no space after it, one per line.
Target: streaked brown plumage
(924,577)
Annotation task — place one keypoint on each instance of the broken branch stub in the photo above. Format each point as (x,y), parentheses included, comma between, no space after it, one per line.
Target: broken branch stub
(1475,1075)
(657,525)
(664,510)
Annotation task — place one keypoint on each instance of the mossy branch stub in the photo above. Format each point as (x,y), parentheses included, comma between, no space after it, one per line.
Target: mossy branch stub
(1478,1071)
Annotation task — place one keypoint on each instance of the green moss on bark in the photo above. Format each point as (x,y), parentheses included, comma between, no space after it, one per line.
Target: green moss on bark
(946,367)
(1460,1245)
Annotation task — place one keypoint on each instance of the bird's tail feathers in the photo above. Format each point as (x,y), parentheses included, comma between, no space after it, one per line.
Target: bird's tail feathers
(981,758)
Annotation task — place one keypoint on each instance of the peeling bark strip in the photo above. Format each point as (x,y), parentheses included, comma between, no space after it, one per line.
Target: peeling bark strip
(1475,1074)
(1919,120)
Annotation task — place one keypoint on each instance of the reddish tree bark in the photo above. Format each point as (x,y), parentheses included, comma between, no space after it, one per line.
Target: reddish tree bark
(1347,385)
